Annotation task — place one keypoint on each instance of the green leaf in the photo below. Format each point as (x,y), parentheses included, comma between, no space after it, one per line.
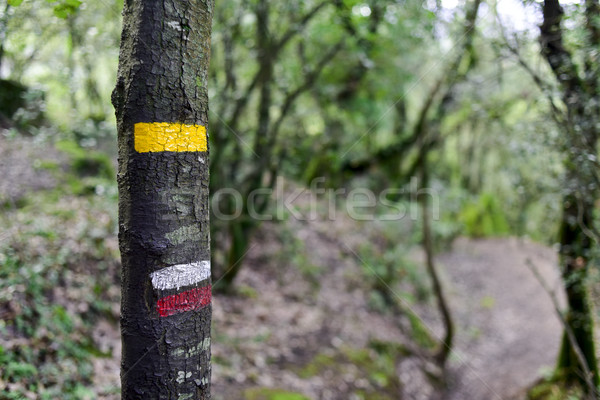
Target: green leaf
(66,8)
(60,11)
(14,3)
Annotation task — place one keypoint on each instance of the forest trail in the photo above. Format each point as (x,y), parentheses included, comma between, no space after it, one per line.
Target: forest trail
(507,329)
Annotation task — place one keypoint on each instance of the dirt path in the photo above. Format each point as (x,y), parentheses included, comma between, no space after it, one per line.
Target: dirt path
(507,330)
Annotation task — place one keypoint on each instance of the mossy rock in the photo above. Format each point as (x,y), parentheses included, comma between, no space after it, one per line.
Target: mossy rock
(262,393)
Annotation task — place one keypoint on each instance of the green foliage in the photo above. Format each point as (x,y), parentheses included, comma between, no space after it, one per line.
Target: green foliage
(496,165)
(376,364)
(68,50)
(60,277)
(387,265)
(65,8)
(420,332)
(484,217)
(554,389)
(86,163)
(294,253)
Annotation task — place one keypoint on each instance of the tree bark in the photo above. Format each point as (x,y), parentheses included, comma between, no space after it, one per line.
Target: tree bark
(161,106)
(447,342)
(580,189)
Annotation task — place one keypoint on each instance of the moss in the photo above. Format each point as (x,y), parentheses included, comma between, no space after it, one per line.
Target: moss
(262,393)
(363,394)
(47,165)
(87,163)
(488,302)
(319,363)
(246,291)
(376,364)
(389,348)
(360,357)
(420,333)
(554,388)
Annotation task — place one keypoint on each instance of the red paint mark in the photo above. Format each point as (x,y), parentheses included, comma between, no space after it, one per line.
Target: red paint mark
(184,301)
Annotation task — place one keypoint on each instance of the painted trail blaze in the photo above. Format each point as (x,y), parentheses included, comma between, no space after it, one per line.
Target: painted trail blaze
(184,301)
(152,137)
(177,276)
(169,137)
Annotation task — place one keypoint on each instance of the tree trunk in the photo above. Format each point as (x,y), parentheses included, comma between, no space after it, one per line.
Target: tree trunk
(161,105)
(580,190)
(575,253)
(442,303)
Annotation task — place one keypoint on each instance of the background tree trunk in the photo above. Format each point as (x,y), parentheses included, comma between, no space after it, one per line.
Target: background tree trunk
(161,105)
(580,190)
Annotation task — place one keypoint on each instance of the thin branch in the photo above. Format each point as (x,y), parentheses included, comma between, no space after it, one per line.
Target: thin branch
(590,232)
(545,87)
(291,97)
(592,13)
(298,26)
(570,335)
(242,100)
(450,78)
(308,83)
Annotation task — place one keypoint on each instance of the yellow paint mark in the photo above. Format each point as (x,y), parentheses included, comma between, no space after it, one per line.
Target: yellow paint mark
(164,136)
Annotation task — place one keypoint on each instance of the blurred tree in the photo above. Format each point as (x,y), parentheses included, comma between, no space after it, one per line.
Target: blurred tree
(161,104)
(428,134)
(297,98)
(259,79)
(3,28)
(579,88)
(68,49)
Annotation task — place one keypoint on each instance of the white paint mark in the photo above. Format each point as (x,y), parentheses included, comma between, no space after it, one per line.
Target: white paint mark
(179,275)
(175,25)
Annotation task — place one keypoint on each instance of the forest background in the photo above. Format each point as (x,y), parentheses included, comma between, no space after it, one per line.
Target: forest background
(333,126)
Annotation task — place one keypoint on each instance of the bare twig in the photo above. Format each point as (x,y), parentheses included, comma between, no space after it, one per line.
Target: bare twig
(590,232)
(558,115)
(298,26)
(570,335)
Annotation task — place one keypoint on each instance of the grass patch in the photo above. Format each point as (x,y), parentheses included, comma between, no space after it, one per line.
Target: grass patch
(373,369)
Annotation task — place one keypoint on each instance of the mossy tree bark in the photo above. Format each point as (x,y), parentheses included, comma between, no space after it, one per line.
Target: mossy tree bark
(161,105)
(580,94)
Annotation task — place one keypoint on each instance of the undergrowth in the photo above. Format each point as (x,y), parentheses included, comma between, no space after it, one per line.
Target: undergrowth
(59,275)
